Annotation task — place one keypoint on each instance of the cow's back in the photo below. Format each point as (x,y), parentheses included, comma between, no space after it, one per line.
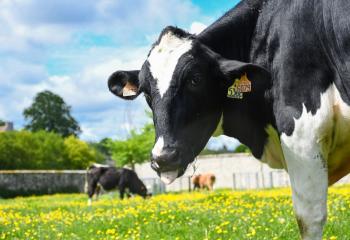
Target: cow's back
(110,178)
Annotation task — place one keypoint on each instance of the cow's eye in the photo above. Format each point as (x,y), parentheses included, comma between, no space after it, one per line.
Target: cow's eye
(195,81)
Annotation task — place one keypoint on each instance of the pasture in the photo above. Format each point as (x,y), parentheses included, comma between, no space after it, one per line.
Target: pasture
(222,214)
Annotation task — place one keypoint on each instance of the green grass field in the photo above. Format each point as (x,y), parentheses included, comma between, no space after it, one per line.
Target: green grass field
(218,215)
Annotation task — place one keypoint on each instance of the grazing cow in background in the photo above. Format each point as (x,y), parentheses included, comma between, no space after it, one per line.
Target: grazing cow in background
(109,178)
(277,74)
(204,180)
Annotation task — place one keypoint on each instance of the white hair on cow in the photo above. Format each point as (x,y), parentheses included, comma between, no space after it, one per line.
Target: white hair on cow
(164,58)
(158,147)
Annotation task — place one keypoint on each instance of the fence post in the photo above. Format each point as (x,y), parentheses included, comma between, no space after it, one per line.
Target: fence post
(154,187)
(250,184)
(180,184)
(234,181)
(263,180)
(189,183)
(271,180)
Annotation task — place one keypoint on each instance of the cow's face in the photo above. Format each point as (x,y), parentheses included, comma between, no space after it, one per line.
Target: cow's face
(136,186)
(185,84)
(93,174)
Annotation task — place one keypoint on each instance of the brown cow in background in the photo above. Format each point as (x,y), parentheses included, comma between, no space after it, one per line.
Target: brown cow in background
(205,180)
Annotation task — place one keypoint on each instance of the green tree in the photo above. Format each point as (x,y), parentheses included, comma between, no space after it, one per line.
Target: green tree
(222,150)
(44,150)
(103,147)
(2,123)
(49,112)
(26,150)
(80,154)
(242,149)
(135,149)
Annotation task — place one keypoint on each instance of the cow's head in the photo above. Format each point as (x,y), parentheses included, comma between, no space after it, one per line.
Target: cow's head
(136,186)
(93,174)
(185,84)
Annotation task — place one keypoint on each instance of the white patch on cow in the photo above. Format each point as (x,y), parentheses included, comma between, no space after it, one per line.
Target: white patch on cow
(306,154)
(158,147)
(339,153)
(168,177)
(329,128)
(273,154)
(164,58)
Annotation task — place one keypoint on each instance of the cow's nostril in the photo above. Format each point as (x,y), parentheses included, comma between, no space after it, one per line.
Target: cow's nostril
(166,158)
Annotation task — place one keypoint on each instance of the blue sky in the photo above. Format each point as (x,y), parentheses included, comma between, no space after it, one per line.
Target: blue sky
(71,47)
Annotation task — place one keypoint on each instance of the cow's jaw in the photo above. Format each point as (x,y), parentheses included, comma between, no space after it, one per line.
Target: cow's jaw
(169,177)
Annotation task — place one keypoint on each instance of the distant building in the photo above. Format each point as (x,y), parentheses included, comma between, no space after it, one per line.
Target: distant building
(7,127)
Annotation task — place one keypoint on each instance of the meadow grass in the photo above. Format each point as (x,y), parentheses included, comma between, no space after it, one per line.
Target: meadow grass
(223,214)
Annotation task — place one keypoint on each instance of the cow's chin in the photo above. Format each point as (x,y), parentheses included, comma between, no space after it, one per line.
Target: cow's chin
(168,177)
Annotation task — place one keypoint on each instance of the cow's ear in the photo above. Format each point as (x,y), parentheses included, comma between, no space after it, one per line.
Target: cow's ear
(124,84)
(244,77)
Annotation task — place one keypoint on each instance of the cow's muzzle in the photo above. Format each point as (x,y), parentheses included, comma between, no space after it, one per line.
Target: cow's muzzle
(166,160)
(167,164)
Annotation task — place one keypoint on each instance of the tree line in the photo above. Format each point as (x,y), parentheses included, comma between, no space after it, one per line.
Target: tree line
(44,150)
(49,139)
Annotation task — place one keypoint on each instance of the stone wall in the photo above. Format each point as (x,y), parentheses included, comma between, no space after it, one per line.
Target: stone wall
(26,182)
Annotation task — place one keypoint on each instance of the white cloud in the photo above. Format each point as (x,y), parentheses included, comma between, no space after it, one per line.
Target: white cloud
(216,143)
(115,122)
(197,27)
(88,88)
(17,35)
(28,24)
(100,113)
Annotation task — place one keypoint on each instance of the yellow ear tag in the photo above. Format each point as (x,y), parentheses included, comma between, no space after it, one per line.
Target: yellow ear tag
(239,87)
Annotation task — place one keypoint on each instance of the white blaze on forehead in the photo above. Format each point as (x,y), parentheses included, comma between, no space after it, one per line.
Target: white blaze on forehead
(164,58)
(158,147)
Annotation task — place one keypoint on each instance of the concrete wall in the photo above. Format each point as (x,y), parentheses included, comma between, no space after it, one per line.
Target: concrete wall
(238,171)
(223,166)
(24,183)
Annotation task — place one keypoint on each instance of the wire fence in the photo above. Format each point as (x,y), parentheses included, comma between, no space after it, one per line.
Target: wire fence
(239,181)
(257,180)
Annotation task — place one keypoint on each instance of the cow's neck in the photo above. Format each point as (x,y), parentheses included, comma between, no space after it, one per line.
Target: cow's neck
(247,120)
(231,35)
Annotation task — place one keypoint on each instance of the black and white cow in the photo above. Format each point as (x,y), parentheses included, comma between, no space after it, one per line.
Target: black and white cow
(277,74)
(109,178)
